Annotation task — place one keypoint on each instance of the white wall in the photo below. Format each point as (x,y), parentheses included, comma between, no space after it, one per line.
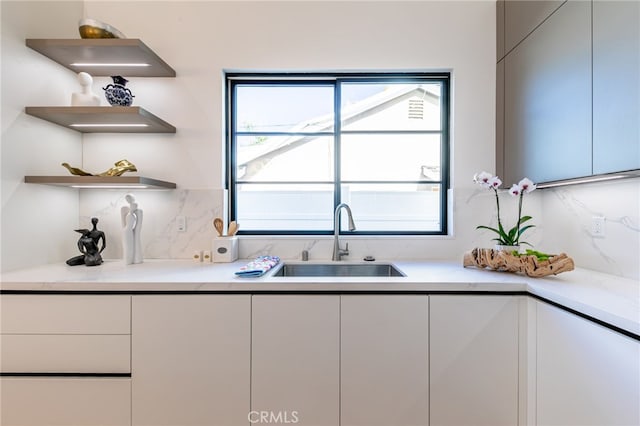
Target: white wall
(37,221)
(202,39)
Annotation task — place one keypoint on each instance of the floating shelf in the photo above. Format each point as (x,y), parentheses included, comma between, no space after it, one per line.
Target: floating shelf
(116,182)
(103,119)
(128,57)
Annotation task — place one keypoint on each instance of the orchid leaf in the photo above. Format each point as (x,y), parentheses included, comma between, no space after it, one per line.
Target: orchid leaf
(525,228)
(503,238)
(489,228)
(501,228)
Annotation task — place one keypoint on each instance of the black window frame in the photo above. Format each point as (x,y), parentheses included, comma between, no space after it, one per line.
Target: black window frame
(232,79)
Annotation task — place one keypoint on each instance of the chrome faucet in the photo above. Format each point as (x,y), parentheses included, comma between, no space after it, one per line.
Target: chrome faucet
(337,251)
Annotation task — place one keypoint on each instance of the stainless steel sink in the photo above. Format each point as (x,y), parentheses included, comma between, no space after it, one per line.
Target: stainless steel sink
(337,270)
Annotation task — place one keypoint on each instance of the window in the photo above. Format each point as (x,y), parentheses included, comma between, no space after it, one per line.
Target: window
(299,145)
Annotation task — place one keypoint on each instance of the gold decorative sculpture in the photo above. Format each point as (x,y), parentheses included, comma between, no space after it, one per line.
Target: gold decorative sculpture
(530,265)
(76,171)
(119,168)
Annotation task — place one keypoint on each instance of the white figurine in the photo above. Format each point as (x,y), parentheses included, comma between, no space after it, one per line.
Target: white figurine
(87,97)
(132,217)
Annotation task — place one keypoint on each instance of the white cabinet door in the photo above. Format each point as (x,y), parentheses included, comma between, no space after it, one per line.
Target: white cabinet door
(65,314)
(473,360)
(68,335)
(69,401)
(295,359)
(587,374)
(65,353)
(384,360)
(190,359)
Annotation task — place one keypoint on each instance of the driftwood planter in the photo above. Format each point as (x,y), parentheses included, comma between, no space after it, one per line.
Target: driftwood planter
(529,265)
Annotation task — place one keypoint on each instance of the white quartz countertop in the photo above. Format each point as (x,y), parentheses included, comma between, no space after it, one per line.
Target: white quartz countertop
(608,298)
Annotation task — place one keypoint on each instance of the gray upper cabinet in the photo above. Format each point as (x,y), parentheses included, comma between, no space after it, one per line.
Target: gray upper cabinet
(500,29)
(547,109)
(568,88)
(522,17)
(500,118)
(616,86)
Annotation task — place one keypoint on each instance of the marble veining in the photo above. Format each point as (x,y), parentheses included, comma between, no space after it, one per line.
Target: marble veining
(568,212)
(160,236)
(562,217)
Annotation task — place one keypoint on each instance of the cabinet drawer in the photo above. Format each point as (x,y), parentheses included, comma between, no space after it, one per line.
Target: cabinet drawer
(63,314)
(38,353)
(65,401)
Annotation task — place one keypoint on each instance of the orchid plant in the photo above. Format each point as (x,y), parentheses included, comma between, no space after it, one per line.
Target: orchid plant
(512,236)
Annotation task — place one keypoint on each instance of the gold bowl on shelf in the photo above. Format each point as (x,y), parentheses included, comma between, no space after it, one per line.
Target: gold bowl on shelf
(91,28)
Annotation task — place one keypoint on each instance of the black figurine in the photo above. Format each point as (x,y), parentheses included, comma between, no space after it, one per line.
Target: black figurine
(97,235)
(88,244)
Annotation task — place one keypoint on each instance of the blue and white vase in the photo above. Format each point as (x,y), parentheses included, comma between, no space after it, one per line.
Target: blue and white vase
(117,94)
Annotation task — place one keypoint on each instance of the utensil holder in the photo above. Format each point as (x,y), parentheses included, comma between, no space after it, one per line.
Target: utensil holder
(225,249)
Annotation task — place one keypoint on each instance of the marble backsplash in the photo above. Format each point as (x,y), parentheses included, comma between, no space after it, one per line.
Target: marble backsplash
(562,217)
(160,236)
(162,240)
(567,217)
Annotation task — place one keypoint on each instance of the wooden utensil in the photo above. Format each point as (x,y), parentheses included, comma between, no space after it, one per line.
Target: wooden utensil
(233,228)
(219,225)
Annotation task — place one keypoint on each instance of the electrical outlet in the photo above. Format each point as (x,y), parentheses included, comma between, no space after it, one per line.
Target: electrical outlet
(597,226)
(181,223)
